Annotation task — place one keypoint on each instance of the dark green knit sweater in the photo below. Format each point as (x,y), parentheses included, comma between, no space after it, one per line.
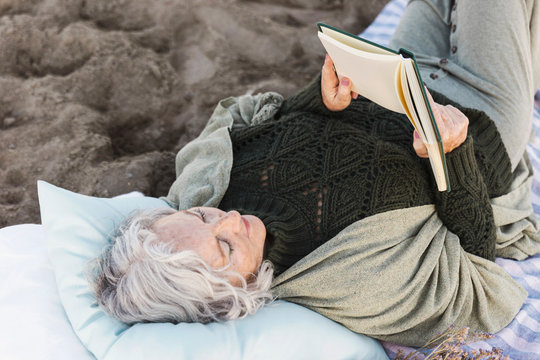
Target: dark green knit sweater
(312,172)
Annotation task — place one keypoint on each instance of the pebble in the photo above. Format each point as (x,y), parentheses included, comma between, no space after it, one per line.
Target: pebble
(9,121)
(154,69)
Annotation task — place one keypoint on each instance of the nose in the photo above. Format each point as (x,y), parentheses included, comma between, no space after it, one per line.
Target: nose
(231,221)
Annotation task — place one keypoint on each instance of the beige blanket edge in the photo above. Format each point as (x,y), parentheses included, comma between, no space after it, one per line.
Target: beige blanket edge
(401,276)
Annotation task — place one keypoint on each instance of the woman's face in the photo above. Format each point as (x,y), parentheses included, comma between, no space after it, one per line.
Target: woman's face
(220,238)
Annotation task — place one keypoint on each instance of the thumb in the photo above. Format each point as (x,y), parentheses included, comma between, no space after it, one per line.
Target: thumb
(343,95)
(419,146)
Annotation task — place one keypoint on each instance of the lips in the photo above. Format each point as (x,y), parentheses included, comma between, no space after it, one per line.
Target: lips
(246,223)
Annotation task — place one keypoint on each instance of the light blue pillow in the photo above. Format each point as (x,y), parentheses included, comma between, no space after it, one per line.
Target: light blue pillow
(77,227)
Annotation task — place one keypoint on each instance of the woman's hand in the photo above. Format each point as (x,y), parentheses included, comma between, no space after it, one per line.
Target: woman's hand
(336,95)
(452,124)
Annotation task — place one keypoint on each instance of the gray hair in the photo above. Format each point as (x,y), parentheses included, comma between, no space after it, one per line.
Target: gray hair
(139,278)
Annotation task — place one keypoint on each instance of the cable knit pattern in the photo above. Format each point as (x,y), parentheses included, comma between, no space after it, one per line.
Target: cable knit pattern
(313,172)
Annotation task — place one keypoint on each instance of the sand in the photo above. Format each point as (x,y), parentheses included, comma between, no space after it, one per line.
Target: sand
(97,96)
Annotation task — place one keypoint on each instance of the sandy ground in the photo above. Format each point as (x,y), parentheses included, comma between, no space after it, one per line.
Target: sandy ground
(97,96)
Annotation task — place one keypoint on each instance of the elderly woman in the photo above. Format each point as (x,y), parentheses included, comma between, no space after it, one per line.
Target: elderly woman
(325,164)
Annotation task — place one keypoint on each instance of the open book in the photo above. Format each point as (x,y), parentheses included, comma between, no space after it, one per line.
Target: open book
(391,79)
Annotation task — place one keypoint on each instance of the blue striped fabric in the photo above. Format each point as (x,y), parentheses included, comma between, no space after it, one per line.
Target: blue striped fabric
(521,338)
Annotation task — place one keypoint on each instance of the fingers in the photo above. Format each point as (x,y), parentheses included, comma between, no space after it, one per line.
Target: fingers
(452,125)
(336,94)
(329,83)
(329,77)
(457,114)
(419,146)
(343,96)
(459,125)
(435,108)
(430,98)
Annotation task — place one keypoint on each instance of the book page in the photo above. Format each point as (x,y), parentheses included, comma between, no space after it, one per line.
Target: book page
(421,106)
(428,135)
(374,75)
(406,98)
(413,110)
(437,165)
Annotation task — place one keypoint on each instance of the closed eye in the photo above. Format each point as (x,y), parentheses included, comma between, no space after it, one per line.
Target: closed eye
(225,241)
(201,214)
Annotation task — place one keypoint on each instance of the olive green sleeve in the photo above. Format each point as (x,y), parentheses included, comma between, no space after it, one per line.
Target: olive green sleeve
(466,209)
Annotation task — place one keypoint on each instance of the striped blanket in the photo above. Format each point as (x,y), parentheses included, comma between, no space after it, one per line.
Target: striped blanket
(521,338)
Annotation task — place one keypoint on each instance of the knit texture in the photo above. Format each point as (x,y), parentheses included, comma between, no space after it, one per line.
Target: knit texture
(313,172)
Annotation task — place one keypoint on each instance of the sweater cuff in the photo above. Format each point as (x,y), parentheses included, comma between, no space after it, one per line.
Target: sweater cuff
(461,164)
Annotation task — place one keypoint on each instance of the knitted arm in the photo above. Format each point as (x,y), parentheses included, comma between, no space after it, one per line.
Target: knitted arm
(466,209)
(490,153)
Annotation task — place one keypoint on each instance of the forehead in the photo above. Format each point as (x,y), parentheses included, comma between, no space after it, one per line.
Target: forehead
(177,225)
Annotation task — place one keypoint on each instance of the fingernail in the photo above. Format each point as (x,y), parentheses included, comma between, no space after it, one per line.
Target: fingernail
(344,82)
(416,134)
(327,57)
